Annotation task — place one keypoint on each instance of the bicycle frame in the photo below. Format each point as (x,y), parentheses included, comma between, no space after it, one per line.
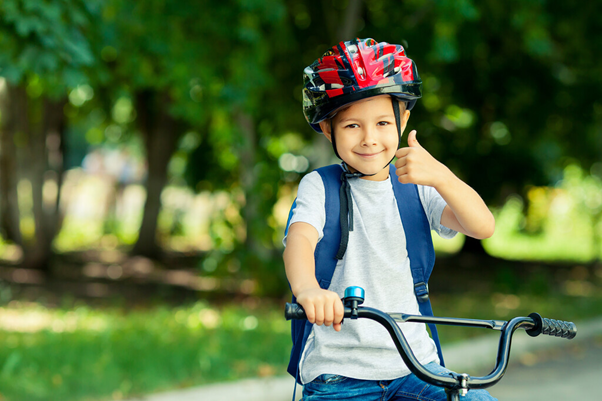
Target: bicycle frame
(455,384)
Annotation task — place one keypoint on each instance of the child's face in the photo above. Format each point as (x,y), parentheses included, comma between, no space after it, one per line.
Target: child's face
(366,135)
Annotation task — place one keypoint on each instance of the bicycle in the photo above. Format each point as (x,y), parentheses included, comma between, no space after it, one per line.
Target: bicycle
(455,384)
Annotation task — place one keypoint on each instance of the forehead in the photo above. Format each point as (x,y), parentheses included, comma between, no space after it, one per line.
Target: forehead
(376,103)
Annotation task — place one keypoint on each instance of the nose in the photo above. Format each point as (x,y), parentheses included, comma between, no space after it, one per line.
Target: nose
(369,137)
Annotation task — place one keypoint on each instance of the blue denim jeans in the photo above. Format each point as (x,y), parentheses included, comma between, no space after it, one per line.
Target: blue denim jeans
(334,387)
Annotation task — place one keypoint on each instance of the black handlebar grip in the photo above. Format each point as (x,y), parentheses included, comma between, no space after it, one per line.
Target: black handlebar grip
(294,311)
(551,327)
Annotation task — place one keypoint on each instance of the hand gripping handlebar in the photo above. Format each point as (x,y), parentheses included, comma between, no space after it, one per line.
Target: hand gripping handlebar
(454,383)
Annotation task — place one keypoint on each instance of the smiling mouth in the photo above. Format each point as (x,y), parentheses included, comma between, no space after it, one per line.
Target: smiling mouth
(369,154)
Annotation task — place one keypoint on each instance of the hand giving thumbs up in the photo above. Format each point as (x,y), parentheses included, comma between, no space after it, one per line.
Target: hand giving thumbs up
(416,165)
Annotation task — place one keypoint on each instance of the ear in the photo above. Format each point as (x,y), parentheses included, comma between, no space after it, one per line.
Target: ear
(405,116)
(326,129)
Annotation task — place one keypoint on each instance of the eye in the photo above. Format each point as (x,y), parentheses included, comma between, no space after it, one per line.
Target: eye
(383,123)
(352,126)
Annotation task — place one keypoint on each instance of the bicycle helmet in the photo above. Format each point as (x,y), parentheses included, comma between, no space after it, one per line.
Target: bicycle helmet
(355,70)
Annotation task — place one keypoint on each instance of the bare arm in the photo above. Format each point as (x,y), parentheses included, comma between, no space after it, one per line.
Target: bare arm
(465,211)
(321,306)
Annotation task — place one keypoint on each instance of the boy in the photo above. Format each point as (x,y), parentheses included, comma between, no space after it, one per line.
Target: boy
(359,95)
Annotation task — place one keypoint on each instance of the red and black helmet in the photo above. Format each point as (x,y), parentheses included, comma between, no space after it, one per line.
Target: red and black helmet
(355,70)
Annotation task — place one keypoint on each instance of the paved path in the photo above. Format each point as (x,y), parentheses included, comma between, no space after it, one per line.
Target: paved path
(543,368)
(570,373)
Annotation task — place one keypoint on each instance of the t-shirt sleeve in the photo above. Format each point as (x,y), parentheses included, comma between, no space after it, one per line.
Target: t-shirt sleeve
(309,207)
(433,205)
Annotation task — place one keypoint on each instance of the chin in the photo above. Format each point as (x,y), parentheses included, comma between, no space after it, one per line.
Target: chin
(373,171)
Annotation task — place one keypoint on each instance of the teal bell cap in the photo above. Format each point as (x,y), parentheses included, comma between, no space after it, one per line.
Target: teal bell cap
(355,292)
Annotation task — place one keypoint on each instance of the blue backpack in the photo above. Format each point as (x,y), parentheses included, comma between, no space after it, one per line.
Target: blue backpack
(419,246)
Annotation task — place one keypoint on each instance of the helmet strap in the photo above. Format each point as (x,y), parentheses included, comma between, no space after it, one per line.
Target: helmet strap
(333,140)
(397,115)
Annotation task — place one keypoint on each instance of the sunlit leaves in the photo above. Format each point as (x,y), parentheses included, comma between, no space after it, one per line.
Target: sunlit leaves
(500,133)
(123,111)
(81,94)
(459,117)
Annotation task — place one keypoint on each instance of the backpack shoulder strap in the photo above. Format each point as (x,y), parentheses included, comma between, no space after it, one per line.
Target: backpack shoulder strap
(419,244)
(326,250)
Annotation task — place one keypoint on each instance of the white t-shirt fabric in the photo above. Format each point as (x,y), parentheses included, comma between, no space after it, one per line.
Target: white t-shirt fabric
(376,260)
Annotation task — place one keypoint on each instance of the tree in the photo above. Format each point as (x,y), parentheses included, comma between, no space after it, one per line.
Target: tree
(246,112)
(45,52)
(158,55)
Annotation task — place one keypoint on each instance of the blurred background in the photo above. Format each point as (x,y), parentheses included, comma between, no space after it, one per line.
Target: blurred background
(150,152)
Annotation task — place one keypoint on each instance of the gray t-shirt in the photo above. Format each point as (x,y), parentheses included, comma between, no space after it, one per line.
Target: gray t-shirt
(376,260)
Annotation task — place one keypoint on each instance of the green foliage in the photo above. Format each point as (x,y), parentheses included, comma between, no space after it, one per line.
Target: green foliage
(561,223)
(46,39)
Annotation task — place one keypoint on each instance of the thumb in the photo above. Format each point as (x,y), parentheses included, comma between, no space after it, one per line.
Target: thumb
(412,141)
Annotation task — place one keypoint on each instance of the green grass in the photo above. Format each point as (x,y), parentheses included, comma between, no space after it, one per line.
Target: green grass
(87,354)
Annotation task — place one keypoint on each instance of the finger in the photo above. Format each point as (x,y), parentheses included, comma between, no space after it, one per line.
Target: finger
(402,170)
(404,179)
(328,316)
(412,141)
(402,152)
(401,162)
(337,326)
(310,313)
(339,312)
(319,315)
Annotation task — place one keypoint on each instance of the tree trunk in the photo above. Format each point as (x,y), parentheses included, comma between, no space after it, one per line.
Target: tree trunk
(348,27)
(248,181)
(45,162)
(47,145)
(37,126)
(160,132)
(9,206)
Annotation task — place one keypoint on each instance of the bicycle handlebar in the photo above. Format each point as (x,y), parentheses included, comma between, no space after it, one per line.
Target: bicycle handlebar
(452,382)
